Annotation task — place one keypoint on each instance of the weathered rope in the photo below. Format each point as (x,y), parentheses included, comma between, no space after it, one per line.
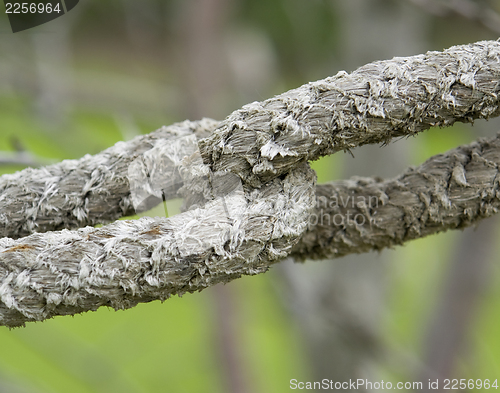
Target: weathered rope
(250,192)
(94,189)
(449,191)
(374,104)
(127,262)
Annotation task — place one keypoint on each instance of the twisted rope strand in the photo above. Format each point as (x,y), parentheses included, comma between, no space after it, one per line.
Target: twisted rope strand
(250,194)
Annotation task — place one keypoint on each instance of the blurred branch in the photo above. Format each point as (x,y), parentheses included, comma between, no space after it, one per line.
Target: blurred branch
(254,195)
(23,158)
(20,156)
(468,9)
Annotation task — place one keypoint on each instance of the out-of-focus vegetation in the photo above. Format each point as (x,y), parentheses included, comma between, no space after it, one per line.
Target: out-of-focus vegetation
(111,70)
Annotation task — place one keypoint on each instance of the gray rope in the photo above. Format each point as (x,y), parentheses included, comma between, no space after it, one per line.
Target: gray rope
(249,193)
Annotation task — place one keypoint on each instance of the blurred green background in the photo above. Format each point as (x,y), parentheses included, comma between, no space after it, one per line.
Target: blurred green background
(108,71)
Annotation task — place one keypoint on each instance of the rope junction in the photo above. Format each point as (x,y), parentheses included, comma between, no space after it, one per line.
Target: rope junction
(250,198)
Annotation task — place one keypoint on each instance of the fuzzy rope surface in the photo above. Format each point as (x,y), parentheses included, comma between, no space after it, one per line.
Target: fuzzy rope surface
(249,191)
(127,262)
(449,191)
(375,103)
(94,189)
